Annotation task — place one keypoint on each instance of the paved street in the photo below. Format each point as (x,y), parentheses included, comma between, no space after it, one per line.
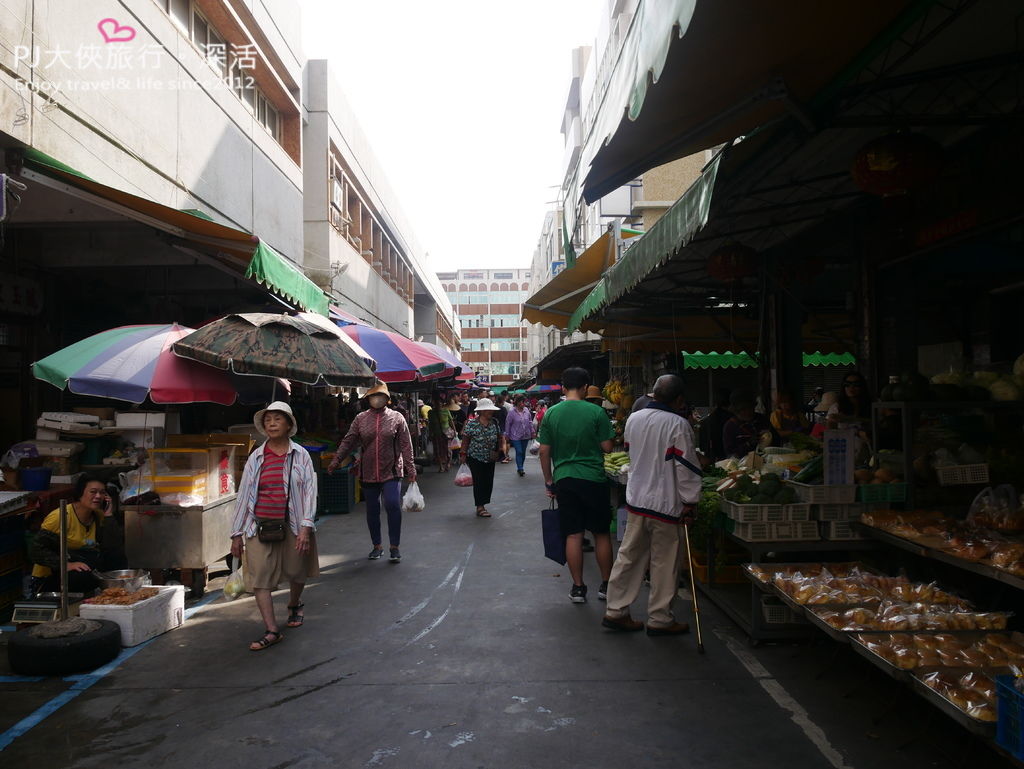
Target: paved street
(469,654)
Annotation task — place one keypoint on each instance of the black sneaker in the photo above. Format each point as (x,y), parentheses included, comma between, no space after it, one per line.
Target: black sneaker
(395,556)
(578,594)
(375,554)
(602,592)
(521,473)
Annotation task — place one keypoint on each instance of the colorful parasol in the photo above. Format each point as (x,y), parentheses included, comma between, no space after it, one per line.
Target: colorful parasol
(399,359)
(132,363)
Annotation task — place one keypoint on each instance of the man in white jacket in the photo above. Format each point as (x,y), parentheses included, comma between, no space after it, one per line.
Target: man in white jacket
(661,496)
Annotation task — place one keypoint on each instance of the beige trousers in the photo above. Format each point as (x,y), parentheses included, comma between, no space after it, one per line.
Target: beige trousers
(647,541)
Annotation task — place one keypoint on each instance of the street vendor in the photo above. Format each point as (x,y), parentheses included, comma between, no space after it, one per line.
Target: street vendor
(744,431)
(91,503)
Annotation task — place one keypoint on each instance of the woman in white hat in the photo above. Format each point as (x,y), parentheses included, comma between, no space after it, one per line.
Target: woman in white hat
(482,443)
(273,526)
(382,436)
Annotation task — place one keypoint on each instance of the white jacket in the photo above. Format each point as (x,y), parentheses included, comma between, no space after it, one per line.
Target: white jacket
(664,470)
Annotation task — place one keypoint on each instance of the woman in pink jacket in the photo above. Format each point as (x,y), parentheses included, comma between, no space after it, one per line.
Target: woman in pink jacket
(385,446)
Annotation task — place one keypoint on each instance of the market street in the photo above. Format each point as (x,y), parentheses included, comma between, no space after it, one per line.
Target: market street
(469,654)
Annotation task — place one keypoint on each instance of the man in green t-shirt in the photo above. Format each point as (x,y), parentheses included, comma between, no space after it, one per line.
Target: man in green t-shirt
(574,437)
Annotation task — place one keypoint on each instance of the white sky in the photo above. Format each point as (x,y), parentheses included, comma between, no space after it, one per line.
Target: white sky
(462,101)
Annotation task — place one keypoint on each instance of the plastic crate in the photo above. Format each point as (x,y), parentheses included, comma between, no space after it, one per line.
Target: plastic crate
(840,530)
(882,492)
(797,512)
(1010,717)
(337,493)
(962,475)
(775,612)
(822,494)
(753,513)
(846,512)
(754,532)
(796,531)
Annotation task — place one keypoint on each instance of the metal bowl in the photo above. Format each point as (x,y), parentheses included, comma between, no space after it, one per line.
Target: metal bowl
(129,579)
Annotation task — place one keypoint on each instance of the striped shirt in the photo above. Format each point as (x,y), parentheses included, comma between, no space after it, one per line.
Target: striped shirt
(301,485)
(271,501)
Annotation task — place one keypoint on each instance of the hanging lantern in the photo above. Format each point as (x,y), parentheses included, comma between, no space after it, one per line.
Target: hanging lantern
(897,163)
(732,262)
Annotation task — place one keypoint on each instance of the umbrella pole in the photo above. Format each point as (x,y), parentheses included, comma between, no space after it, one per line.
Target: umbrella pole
(63,559)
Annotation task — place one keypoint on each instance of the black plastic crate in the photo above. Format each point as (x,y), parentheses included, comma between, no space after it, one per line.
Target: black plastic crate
(337,493)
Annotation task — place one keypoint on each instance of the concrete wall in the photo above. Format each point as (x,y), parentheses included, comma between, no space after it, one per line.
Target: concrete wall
(171,130)
(666,184)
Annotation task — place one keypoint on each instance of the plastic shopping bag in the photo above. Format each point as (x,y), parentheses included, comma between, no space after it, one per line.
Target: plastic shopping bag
(412,502)
(534,447)
(464,477)
(235,586)
(455,443)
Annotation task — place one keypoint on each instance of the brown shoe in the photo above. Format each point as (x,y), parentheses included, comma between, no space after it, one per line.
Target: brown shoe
(626,623)
(676,628)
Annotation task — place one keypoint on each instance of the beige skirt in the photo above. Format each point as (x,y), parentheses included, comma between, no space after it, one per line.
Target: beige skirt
(266,565)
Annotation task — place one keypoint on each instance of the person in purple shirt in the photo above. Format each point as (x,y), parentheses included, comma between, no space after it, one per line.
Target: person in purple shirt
(519,430)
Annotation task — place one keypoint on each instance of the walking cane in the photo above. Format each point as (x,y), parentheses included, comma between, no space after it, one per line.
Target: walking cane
(693,589)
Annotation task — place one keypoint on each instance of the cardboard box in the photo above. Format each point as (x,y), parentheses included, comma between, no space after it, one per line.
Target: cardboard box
(141,419)
(69,416)
(47,434)
(100,413)
(146,619)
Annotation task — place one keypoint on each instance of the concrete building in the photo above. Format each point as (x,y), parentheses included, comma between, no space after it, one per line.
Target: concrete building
(359,247)
(490,305)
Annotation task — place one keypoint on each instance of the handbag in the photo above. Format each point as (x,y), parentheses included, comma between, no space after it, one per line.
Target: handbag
(269,530)
(554,539)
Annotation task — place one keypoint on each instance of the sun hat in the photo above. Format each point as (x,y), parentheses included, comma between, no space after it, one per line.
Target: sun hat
(828,400)
(281,406)
(378,389)
(594,392)
(453,406)
(486,404)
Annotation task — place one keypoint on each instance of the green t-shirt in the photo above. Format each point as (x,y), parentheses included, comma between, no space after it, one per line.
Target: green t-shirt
(574,430)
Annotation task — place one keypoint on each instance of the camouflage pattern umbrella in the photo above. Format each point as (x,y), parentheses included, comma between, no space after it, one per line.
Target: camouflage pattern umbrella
(267,344)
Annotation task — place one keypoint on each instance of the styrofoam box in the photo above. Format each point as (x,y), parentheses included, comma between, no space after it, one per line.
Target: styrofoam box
(140,419)
(58,448)
(69,416)
(145,619)
(47,434)
(145,438)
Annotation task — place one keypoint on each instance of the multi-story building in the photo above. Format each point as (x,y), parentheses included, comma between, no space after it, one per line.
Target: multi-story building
(359,247)
(489,304)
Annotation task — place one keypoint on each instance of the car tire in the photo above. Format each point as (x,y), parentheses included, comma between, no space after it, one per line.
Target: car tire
(32,656)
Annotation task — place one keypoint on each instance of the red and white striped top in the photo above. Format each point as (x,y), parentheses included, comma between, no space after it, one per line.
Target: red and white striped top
(271,501)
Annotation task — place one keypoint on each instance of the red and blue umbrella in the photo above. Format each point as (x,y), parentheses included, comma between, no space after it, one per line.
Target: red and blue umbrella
(466,370)
(544,388)
(132,363)
(399,359)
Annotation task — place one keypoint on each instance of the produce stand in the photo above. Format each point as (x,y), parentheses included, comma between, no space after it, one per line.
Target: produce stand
(173,537)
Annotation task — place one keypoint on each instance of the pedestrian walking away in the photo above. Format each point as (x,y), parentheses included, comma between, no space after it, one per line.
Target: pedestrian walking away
(519,431)
(441,427)
(574,436)
(273,528)
(385,455)
(482,443)
(661,496)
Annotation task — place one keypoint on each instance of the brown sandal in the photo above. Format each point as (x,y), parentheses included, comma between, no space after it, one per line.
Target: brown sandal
(266,641)
(482,514)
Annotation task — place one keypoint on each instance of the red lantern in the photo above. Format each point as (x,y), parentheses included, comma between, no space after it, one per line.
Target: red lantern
(897,163)
(732,262)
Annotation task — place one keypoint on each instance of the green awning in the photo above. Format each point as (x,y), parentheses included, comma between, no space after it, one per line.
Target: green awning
(277,273)
(717,360)
(671,233)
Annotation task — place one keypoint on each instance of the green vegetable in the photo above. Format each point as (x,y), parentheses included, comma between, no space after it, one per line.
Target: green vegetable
(811,472)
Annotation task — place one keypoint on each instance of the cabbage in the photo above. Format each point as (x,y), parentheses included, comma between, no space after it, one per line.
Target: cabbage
(951,378)
(1018,367)
(1005,389)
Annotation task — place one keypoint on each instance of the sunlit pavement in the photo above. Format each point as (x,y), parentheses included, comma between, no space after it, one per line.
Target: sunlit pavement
(469,654)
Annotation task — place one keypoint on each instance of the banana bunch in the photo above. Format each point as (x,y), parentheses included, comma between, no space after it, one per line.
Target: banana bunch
(614,391)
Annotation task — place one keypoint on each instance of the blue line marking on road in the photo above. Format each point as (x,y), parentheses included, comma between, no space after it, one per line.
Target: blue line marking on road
(20,679)
(79,683)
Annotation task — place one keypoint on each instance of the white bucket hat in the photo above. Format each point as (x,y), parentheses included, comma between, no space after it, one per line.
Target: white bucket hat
(486,404)
(281,406)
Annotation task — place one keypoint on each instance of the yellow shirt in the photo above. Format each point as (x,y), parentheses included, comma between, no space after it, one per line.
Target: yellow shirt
(79,536)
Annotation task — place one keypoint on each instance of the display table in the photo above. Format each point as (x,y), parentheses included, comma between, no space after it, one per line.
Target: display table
(742,603)
(172,537)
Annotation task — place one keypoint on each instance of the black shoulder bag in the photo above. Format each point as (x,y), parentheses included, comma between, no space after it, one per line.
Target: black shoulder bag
(273,530)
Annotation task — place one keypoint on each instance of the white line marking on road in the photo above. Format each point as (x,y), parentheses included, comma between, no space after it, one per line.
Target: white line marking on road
(507,512)
(461,739)
(380,754)
(423,604)
(455,592)
(785,701)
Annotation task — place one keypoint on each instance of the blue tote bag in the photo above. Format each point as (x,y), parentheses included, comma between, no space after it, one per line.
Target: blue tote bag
(554,540)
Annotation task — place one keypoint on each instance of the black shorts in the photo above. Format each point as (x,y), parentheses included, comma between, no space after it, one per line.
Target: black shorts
(583,505)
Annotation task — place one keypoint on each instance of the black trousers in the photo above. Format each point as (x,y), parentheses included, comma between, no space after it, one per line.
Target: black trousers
(483,480)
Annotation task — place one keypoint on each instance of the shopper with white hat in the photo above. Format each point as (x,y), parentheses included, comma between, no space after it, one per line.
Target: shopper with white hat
(273,526)
(482,444)
(382,437)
